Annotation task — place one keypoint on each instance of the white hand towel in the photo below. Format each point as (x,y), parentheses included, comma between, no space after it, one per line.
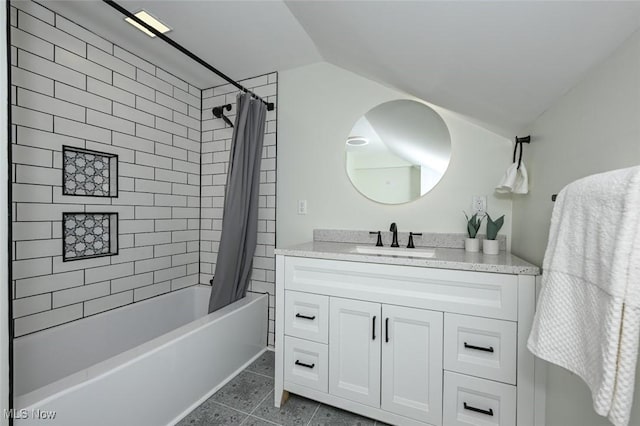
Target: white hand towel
(588,314)
(521,185)
(514,180)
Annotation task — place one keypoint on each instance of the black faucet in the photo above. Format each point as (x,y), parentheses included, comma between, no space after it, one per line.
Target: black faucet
(394,229)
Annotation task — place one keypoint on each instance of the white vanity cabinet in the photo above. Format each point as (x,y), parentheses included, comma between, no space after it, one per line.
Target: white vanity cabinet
(407,345)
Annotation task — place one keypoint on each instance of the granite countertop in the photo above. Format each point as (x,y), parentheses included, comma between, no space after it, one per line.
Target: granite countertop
(445,258)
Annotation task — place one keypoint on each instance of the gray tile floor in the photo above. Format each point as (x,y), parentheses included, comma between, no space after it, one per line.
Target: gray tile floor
(248,400)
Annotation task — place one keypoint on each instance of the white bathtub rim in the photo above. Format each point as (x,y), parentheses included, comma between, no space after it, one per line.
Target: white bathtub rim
(208,395)
(41,396)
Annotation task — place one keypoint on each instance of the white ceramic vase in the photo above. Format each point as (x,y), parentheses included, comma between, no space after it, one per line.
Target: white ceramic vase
(490,247)
(472,244)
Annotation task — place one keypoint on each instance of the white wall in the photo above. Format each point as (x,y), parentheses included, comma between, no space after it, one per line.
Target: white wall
(593,128)
(319,104)
(4,229)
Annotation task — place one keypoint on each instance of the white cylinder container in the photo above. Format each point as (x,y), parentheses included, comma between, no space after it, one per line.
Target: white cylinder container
(490,247)
(472,244)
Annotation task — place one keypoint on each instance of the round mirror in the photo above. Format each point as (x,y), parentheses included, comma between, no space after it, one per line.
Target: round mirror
(398,151)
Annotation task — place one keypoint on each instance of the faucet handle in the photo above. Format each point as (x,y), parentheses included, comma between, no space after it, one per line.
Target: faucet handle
(379,242)
(411,234)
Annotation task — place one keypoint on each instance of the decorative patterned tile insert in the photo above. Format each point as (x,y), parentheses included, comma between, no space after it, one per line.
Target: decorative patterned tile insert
(89,173)
(89,235)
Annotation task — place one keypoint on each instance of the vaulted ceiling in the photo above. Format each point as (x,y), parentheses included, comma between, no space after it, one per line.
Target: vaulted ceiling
(500,63)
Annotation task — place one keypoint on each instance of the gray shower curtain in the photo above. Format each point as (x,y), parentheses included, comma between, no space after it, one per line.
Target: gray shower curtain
(240,217)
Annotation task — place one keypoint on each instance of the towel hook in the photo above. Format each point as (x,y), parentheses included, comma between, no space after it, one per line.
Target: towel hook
(519,142)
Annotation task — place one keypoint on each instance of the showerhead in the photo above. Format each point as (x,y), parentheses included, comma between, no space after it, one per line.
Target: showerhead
(218,112)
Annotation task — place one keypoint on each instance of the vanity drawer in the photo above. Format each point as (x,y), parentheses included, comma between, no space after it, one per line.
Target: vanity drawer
(483,294)
(469,401)
(480,347)
(306,363)
(306,316)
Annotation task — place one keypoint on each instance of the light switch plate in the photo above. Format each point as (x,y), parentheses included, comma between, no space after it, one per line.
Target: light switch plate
(479,205)
(302,206)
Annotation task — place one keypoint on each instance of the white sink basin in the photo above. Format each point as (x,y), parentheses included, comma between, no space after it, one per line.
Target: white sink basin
(390,251)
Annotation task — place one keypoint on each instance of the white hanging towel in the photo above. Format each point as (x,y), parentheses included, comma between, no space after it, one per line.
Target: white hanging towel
(515,180)
(588,314)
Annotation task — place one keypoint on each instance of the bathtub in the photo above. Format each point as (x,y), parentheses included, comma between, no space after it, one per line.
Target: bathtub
(149,363)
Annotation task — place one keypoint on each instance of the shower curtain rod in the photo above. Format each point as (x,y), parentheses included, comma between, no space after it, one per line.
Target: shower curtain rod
(187,52)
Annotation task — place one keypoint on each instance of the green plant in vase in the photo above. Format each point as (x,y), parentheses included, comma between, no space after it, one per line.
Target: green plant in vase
(473,225)
(490,245)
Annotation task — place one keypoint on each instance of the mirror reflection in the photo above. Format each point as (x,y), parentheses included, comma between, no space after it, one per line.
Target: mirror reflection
(398,151)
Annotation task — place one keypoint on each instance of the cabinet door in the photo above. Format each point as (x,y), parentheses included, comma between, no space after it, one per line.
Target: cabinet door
(354,350)
(412,363)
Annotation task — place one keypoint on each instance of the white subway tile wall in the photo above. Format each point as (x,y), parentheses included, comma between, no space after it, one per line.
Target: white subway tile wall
(72,87)
(216,146)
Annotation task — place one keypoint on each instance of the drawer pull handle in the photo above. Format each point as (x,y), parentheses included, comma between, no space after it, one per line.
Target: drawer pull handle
(488,412)
(306,317)
(373,329)
(302,364)
(478,348)
(386,330)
